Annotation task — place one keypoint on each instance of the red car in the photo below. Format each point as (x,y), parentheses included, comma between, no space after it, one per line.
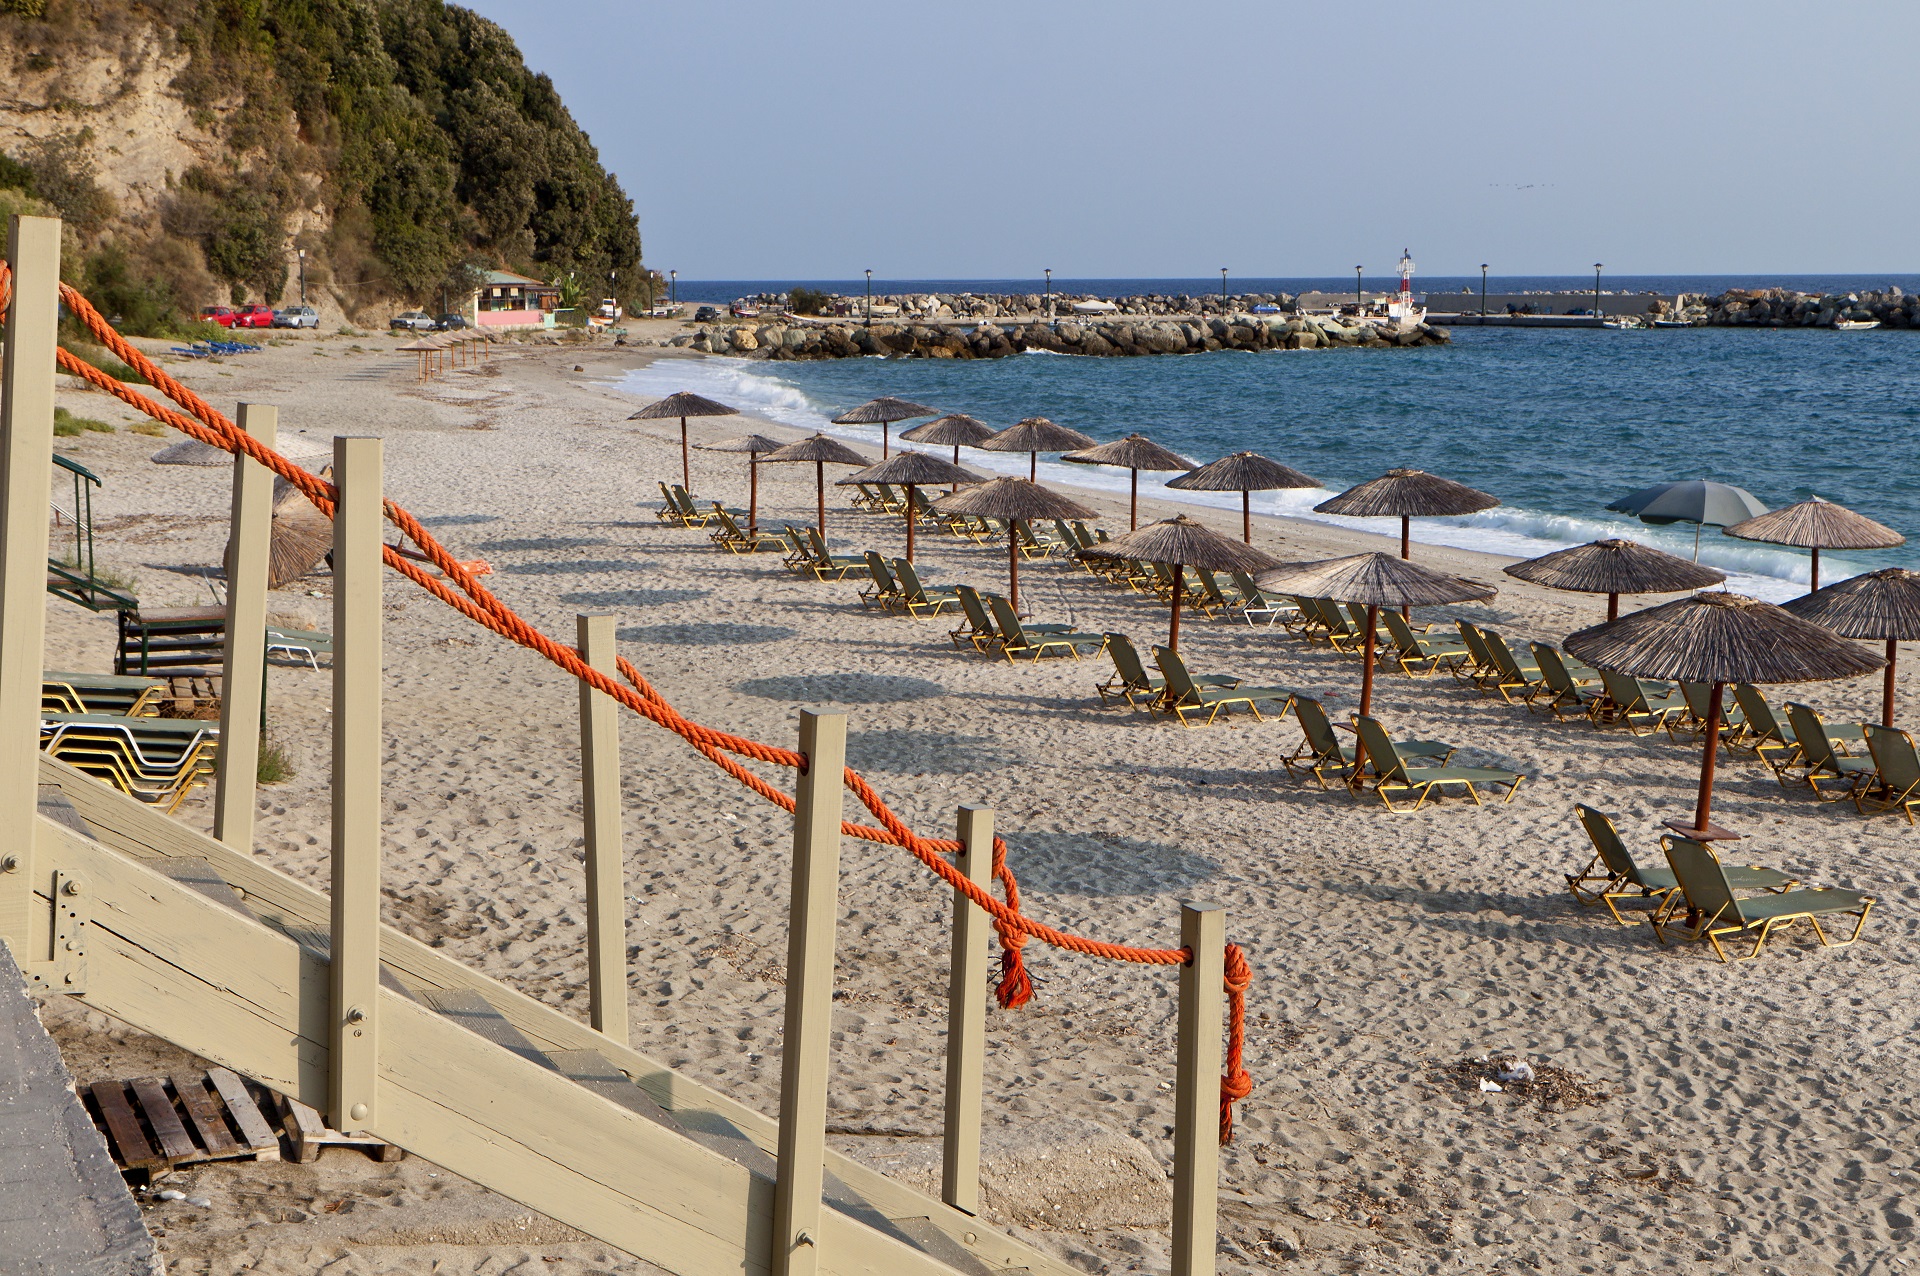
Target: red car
(222,315)
(254,317)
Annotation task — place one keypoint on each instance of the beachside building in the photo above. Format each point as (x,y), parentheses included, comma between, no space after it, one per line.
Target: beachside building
(509,300)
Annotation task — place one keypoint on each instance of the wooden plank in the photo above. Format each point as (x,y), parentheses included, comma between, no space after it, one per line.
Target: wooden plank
(1196,1091)
(26,477)
(157,1108)
(474,1013)
(244,654)
(129,1140)
(205,1115)
(246,1114)
(606,861)
(967,1017)
(305,1130)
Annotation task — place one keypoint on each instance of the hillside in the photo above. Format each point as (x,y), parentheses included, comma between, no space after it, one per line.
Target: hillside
(195,146)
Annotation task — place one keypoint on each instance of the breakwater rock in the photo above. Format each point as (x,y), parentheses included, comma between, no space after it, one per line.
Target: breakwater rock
(1782,308)
(1113,336)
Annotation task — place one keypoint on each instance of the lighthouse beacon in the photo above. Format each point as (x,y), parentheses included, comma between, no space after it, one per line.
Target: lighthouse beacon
(1401,311)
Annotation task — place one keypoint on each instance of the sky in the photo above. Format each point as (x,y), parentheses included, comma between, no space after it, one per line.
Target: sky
(1147,140)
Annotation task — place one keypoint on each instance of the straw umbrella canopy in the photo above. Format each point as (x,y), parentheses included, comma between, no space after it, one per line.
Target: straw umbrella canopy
(422,347)
(956,430)
(910,470)
(1614,567)
(1719,638)
(1697,501)
(1010,498)
(1245,473)
(820,450)
(301,536)
(1374,581)
(683,405)
(1136,452)
(882,412)
(1409,494)
(753,445)
(1033,436)
(1181,543)
(1816,525)
(1883,604)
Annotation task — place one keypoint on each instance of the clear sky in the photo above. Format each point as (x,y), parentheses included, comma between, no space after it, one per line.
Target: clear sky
(1129,139)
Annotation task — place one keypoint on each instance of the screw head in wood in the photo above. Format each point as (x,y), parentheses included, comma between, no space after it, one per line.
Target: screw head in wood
(358,1112)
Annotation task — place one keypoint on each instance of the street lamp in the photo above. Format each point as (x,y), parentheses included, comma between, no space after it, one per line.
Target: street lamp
(1048,271)
(869,299)
(673,287)
(1359,298)
(303,276)
(1483,292)
(1223,290)
(1596,294)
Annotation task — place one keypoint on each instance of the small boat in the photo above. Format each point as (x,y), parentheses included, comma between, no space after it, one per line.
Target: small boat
(1855,325)
(1095,307)
(1671,323)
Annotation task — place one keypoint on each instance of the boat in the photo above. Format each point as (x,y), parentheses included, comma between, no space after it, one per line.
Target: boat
(1672,323)
(1855,325)
(1095,307)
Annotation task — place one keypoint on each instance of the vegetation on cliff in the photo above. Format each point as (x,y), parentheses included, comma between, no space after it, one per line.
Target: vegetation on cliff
(403,143)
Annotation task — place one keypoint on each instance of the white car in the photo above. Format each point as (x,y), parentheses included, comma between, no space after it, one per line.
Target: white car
(296,317)
(412,321)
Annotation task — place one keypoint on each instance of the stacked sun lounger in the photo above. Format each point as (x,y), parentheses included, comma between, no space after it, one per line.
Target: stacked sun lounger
(158,760)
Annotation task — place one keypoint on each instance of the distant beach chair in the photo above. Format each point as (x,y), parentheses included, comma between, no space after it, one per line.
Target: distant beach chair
(1030,545)
(799,553)
(1185,694)
(735,539)
(917,598)
(691,515)
(1421,655)
(1698,696)
(1255,603)
(1560,689)
(1643,707)
(1613,874)
(979,632)
(1131,677)
(669,511)
(1710,899)
(1394,772)
(1320,749)
(125,695)
(1478,666)
(1511,673)
(827,566)
(1896,778)
(881,588)
(1819,756)
(1041,640)
(299,644)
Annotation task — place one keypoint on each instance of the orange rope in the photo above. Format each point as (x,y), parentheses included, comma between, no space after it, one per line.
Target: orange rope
(478,604)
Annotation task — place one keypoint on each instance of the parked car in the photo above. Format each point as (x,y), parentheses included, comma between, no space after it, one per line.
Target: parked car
(254,317)
(412,321)
(296,317)
(222,315)
(450,323)
(609,309)
(706,314)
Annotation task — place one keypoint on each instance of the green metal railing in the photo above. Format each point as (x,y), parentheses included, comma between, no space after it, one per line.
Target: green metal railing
(75,578)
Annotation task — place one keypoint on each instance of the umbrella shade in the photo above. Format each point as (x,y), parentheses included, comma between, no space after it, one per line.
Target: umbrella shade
(1408,494)
(1690,501)
(1245,473)
(956,429)
(910,470)
(1182,543)
(1011,498)
(1719,638)
(1883,604)
(1816,525)
(820,450)
(300,538)
(1614,567)
(1033,436)
(683,405)
(753,445)
(1136,452)
(883,411)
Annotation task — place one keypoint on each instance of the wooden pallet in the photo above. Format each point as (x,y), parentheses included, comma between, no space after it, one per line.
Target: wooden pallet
(156,1124)
(310,1134)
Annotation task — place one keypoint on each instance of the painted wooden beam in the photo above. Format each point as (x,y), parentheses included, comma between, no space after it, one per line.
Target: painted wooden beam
(1196,1120)
(244,664)
(606,862)
(967,1017)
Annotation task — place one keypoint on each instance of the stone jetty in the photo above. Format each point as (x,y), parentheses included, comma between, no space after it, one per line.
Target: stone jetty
(1781,308)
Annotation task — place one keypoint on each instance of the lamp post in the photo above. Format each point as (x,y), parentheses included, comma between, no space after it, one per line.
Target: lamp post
(1359,298)
(303,276)
(673,287)
(1223,290)
(1048,271)
(869,299)
(1598,317)
(1483,292)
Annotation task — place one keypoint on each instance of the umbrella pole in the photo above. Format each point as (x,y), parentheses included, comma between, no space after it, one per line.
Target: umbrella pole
(1704,807)
(1886,691)
(1406,552)
(1696,542)
(909,522)
(1366,671)
(753,492)
(954,487)
(1613,608)
(1246,516)
(1179,581)
(1013,570)
(686,466)
(820,487)
(1133,503)
(1814,588)
(1033,467)
(883,440)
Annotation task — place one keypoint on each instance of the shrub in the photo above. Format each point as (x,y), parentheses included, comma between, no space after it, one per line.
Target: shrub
(273,766)
(67,425)
(808,301)
(152,429)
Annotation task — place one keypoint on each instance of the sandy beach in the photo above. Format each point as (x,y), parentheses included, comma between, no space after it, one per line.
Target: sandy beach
(1753,1117)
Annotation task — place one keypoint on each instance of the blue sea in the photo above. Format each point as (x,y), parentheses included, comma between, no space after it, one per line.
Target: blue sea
(1556,423)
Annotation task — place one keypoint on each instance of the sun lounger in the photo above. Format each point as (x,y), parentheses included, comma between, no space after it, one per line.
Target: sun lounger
(1321,751)
(827,566)
(1131,679)
(1511,674)
(299,644)
(1255,605)
(1561,691)
(1478,666)
(1710,900)
(691,515)
(1613,874)
(1185,694)
(1397,773)
(669,511)
(1820,758)
(917,598)
(1643,707)
(128,696)
(1896,773)
(1698,697)
(979,632)
(1420,655)
(1040,640)
(736,539)
(881,588)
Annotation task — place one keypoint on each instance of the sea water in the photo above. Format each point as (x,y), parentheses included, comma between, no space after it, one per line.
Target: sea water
(1556,423)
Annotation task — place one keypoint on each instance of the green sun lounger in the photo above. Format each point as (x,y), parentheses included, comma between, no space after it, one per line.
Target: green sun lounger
(1321,751)
(1561,690)
(1184,694)
(1642,707)
(1896,773)
(1820,758)
(979,632)
(1613,874)
(916,597)
(1511,674)
(1040,640)
(1711,900)
(1396,773)
(1420,655)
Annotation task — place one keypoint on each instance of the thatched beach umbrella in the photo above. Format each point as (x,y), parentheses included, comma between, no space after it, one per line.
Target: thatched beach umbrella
(753,445)
(1134,453)
(301,536)
(1879,605)
(1697,501)
(194,452)
(1033,436)
(1372,581)
(955,430)
(1180,543)
(882,412)
(1011,498)
(1816,525)
(683,405)
(1408,494)
(1614,567)
(1245,473)
(911,470)
(1719,638)
(820,450)
(422,347)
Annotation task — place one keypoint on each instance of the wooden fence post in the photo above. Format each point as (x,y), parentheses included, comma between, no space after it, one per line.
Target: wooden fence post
(354,978)
(26,483)
(1196,1128)
(967,1016)
(243,668)
(606,863)
(806,1052)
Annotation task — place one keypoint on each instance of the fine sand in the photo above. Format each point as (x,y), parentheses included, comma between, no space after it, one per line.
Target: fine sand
(1753,1117)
